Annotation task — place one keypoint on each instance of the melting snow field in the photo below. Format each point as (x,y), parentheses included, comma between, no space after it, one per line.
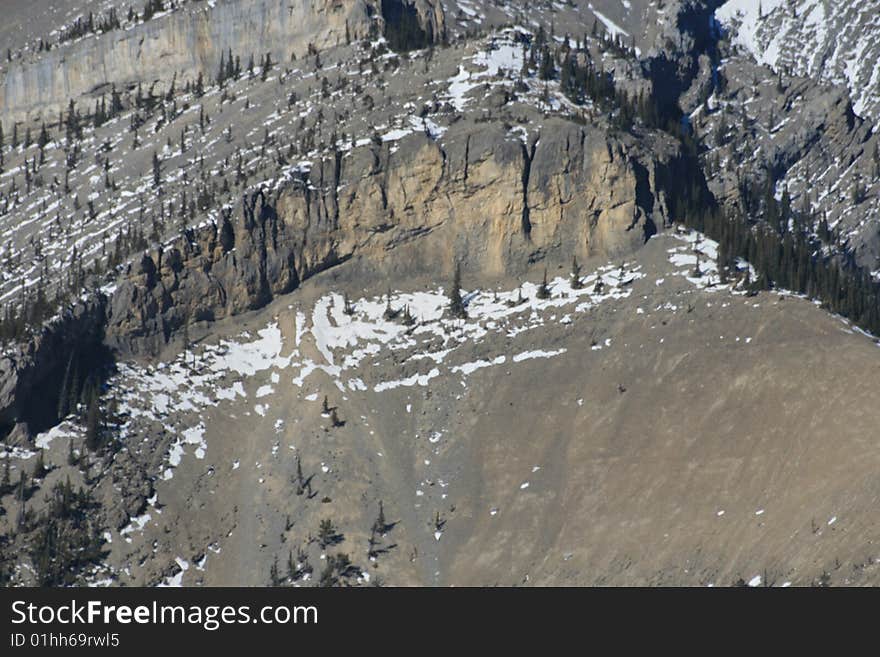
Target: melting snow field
(699,258)
(346,343)
(499,64)
(360,346)
(343,346)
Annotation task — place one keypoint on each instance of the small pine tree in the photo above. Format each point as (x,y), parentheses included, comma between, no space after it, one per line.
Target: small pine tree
(546,70)
(380,525)
(43,139)
(456,303)
(274,579)
(6,481)
(408,319)
(39,466)
(221,74)
(576,283)
(328,577)
(157,170)
(299,477)
(389,313)
(267,65)
(291,566)
(519,298)
(698,272)
(543,290)
(858,192)
(327,533)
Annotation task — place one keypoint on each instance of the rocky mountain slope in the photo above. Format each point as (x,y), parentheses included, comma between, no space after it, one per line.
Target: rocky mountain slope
(833,41)
(798,110)
(229,266)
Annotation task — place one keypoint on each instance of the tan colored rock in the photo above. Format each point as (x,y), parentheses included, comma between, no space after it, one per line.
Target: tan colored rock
(482,198)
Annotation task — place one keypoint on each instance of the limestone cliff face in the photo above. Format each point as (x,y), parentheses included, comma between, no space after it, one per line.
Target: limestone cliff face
(498,203)
(483,198)
(186,42)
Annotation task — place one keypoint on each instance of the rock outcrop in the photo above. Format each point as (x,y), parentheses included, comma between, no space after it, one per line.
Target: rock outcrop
(32,374)
(486,199)
(186,42)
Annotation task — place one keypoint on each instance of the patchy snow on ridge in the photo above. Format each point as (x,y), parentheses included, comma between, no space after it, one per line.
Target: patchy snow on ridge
(836,41)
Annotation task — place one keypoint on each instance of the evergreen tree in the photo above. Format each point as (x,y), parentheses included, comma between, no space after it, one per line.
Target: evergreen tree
(389,313)
(267,66)
(407,319)
(157,170)
(39,466)
(380,525)
(327,533)
(43,139)
(456,303)
(547,70)
(328,575)
(543,290)
(221,74)
(347,308)
(274,578)
(300,482)
(576,283)
(94,424)
(5,481)
(230,66)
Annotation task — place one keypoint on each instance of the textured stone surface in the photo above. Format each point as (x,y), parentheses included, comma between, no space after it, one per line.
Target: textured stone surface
(186,42)
(587,194)
(31,373)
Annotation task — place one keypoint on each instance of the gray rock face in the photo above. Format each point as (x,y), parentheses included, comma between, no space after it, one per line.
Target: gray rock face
(186,42)
(804,133)
(205,275)
(31,374)
(835,42)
